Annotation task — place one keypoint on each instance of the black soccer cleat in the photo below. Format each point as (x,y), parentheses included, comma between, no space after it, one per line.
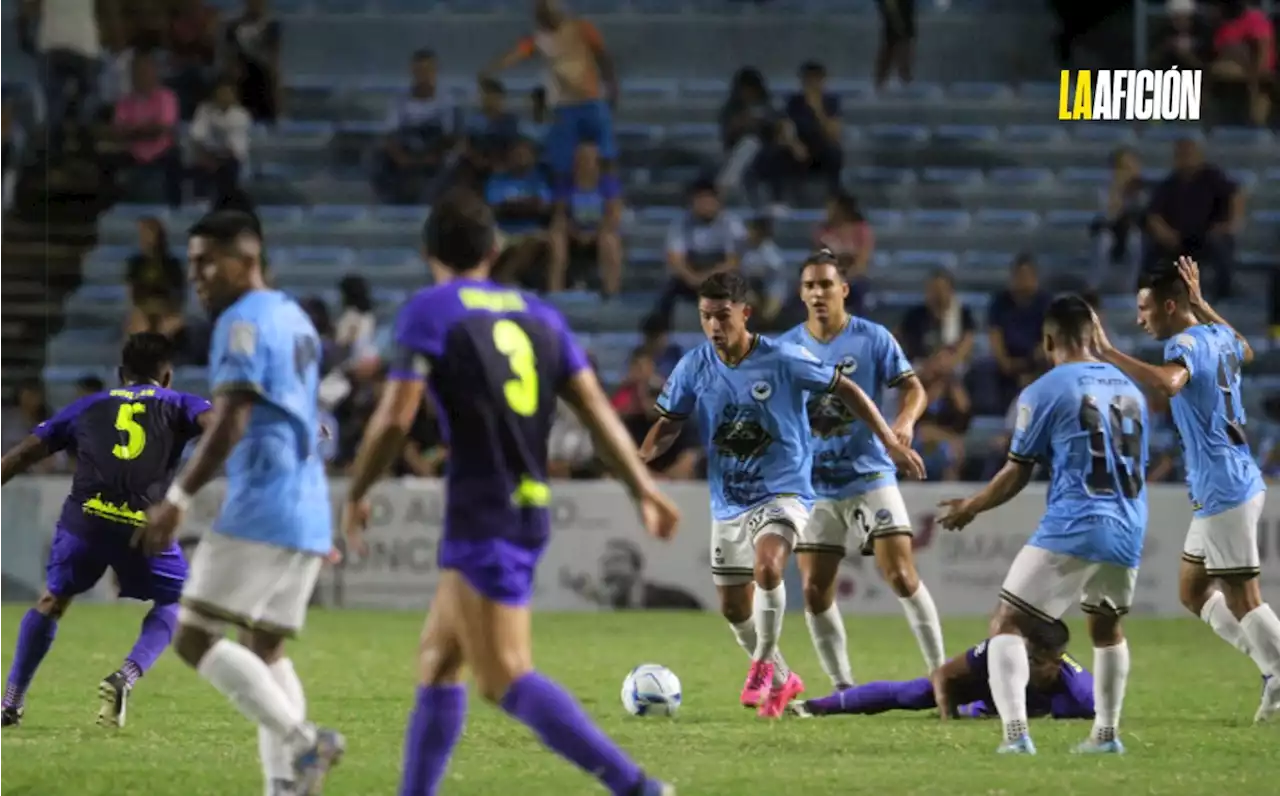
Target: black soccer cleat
(113,692)
(11,716)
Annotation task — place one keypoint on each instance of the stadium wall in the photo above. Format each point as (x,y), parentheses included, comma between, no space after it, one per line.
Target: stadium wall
(599,559)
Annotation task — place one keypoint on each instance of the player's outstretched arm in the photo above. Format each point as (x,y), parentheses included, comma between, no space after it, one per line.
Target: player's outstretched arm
(1190,273)
(25,455)
(662,435)
(865,409)
(1012,479)
(224,425)
(520,51)
(1166,379)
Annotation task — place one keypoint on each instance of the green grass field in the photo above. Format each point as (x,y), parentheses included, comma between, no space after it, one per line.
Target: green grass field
(1187,719)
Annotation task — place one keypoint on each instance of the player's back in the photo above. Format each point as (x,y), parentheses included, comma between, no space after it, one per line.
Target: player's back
(1209,415)
(266,345)
(1091,424)
(496,359)
(127,444)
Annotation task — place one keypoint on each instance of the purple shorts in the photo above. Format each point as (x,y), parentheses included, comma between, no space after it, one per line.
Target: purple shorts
(501,570)
(76,564)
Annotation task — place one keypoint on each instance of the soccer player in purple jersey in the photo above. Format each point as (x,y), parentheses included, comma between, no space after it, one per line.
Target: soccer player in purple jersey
(495,361)
(127,443)
(1058,686)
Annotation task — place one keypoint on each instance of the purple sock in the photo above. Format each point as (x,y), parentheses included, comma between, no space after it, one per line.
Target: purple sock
(35,636)
(562,725)
(157,631)
(434,728)
(877,698)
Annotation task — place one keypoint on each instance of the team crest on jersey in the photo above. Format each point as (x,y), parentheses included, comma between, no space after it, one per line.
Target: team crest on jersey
(847,365)
(740,434)
(883,517)
(242,338)
(1024,417)
(761,390)
(1185,340)
(828,416)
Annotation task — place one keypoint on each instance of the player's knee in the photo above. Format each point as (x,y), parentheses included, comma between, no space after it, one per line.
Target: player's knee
(1243,594)
(267,646)
(494,679)
(818,595)
(1104,630)
(735,603)
(773,547)
(1193,590)
(191,643)
(439,664)
(900,575)
(52,605)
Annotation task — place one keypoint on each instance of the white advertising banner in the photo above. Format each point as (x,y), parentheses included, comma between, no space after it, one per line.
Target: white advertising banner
(599,559)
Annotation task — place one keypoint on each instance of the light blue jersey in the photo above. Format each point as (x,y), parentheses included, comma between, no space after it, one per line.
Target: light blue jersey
(1209,414)
(848,459)
(1088,422)
(751,418)
(276,487)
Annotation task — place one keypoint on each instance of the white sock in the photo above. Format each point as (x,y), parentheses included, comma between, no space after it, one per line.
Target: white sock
(922,616)
(1110,674)
(1008,672)
(277,762)
(1263,630)
(246,680)
(745,633)
(767,611)
(1218,616)
(829,641)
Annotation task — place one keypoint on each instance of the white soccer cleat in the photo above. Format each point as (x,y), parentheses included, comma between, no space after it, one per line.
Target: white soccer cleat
(1269,709)
(113,692)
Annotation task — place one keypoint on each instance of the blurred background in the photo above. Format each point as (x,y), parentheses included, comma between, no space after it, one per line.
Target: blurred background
(918,139)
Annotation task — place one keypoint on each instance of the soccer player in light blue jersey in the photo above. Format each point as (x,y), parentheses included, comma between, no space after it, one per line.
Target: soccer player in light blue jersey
(1200,373)
(1088,423)
(259,566)
(748,395)
(855,480)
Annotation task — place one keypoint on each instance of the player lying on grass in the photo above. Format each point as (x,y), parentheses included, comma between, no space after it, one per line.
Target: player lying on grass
(1059,686)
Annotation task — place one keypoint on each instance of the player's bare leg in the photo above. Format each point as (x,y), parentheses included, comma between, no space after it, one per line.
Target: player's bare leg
(773,547)
(273,751)
(736,606)
(35,637)
(496,644)
(1111,675)
(819,570)
(897,566)
(440,709)
(1008,672)
(249,683)
(1243,593)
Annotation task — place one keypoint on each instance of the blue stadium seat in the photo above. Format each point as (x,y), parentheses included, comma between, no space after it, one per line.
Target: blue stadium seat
(1266,218)
(966,134)
(322,256)
(340,6)
(69,374)
(296,128)
(705,88)
(659,215)
(107,260)
(1039,91)
(938,220)
(881,175)
(807,216)
(647,255)
(692,131)
(382,84)
(281,215)
(1242,136)
(1090,176)
(912,258)
(986,260)
(881,260)
(952,176)
(1271,176)
(103,294)
(1007,219)
(383,258)
(1172,132)
(631,135)
(897,133)
(1103,133)
(361,128)
(1035,134)
(1019,177)
(649,88)
(851,89)
(131,212)
(979,91)
(987,424)
(399,215)
(885,220)
(332,215)
(1247,179)
(918,91)
(1078,219)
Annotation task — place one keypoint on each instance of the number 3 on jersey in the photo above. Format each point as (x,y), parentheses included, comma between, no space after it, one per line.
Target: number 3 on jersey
(135,435)
(522,391)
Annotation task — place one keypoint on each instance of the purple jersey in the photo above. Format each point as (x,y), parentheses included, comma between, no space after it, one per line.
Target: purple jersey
(127,443)
(495,360)
(1070,696)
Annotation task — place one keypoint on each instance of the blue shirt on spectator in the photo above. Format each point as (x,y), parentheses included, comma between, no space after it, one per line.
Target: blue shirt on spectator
(492,136)
(1020,324)
(586,208)
(504,187)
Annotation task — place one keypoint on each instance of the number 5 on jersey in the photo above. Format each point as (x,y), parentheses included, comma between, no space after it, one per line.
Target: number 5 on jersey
(522,391)
(135,434)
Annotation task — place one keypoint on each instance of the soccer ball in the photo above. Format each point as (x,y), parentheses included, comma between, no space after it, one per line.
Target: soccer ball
(651,690)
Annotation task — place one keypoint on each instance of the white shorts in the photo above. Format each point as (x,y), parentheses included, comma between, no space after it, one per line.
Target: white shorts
(250,584)
(1046,584)
(733,542)
(880,512)
(1227,543)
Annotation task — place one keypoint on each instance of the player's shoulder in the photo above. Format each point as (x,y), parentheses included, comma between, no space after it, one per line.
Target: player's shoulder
(785,350)
(795,335)
(78,407)
(1193,340)
(1047,388)
(859,326)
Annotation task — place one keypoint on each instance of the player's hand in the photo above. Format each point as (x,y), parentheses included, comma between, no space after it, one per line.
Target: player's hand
(355,516)
(658,514)
(157,535)
(1190,273)
(910,461)
(940,695)
(1101,343)
(905,432)
(958,513)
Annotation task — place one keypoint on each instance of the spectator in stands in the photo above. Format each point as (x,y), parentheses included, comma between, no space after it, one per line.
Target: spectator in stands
(766,271)
(193,53)
(357,324)
(1117,232)
(10,155)
(521,200)
(1185,41)
(69,45)
(814,114)
(115,75)
(640,386)
(253,59)
(851,239)
(750,132)
(585,231)
(89,384)
(939,324)
(490,132)
(29,409)
(570,448)
(220,142)
(664,352)
(940,432)
(421,129)
(157,283)
(146,121)
(707,240)
(318,311)
(1269,438)
(1197,211)
(1015,322)
(1245,57)
(897,48)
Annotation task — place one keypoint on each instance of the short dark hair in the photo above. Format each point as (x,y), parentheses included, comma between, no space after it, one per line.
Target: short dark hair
(225,226)
(724,286)
(814,68)
(459,231)
(1166,284)
(424,54)
(1023,260)
(702,185)
(1069,318)
(90,384)
(823,256)
(145,356)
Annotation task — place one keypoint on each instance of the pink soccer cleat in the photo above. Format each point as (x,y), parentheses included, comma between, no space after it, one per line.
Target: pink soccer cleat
(775,703)
(756,689)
